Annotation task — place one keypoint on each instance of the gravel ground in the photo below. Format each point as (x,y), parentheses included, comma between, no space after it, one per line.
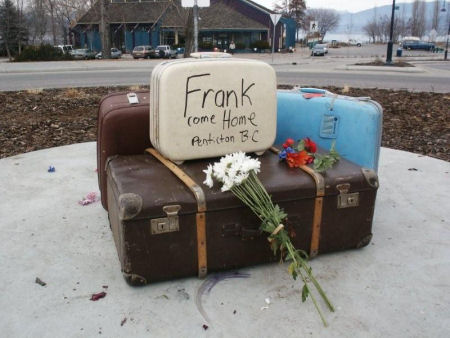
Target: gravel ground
(33,120)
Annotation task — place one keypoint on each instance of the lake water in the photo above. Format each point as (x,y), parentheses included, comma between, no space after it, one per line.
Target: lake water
(344,37)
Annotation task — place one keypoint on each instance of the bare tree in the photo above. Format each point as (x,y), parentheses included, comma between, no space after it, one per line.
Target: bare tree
(417,21)
(50,6)
(327,19)
(371,29)
(436,12)
(66,12)
(21,25)
(38,21)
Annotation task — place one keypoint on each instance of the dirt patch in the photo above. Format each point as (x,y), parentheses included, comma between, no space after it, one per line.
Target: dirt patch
(37,119)
(384,64)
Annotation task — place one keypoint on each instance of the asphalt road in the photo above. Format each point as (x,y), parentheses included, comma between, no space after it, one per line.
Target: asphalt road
(285,75)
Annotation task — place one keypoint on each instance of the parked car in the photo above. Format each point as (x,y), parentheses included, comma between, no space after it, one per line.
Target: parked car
(413,44)
(164,51)
(66,49)
(144,52)
(115,54)
(319,49)
(83,53)
(353,42)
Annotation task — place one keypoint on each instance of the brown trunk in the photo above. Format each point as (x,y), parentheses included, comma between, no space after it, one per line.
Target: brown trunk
(154,216)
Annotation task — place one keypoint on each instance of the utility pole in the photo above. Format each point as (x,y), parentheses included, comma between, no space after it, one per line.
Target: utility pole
(446,45)
(444,10)
(195,12)
(104,32)
(391,34)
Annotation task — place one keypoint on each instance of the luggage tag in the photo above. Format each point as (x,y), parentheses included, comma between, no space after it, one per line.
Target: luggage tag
(132,98)
(330,122)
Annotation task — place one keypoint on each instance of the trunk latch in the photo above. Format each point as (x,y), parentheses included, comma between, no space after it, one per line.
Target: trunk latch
(346,199)
(166,224)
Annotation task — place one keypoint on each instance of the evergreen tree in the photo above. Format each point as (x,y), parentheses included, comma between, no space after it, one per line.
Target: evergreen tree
(9,27)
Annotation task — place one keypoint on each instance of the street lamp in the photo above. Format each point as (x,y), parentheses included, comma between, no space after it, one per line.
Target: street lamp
(448,32)
(391,34)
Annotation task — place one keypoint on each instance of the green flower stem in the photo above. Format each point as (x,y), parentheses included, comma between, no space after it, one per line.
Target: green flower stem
(296,258)
(317,285)
(313,299)
(253,194)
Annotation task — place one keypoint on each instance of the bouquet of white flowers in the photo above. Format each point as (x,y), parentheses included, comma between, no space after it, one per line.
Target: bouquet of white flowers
(238,174)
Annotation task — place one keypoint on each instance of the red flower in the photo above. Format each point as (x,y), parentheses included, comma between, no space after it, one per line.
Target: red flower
(295,160)
(288,143)
(310,145)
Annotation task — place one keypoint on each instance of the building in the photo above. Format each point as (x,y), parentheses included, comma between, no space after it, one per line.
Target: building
(156,22)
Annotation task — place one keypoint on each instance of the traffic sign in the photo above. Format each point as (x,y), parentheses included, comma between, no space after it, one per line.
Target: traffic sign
(191,3)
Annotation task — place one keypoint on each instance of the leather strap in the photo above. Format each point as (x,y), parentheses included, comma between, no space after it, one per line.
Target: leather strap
(201,209)
(318,209)
(318,206)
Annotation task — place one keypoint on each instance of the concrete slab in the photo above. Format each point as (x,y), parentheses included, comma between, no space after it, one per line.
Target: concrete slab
(398,286)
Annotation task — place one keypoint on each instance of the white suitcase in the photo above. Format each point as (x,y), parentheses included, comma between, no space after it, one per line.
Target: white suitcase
(209,107)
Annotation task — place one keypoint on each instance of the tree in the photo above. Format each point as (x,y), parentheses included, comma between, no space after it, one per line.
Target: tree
(436,12)
(417,21)
(38,21)
(327,19)
(371,29)
(50,6)
(294,9)
(11,30)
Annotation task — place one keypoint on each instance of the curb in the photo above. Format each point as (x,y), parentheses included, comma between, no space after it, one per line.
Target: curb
(387,69)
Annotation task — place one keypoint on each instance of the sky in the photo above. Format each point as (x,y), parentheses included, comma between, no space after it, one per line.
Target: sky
(341,5)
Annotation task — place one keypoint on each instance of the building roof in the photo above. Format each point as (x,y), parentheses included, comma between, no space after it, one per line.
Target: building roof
(221,16)
(218,16)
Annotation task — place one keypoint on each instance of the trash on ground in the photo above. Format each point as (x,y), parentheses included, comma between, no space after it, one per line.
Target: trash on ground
(51,169)
(123,321)
(40,282)
(90,198)
(267,301)
(97,296)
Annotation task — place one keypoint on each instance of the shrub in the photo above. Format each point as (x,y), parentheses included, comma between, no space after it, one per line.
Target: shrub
(205,45)
(42,53)
(260,44)
(240,45)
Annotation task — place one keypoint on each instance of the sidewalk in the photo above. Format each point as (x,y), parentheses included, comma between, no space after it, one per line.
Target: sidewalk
(398,286)
(300,57)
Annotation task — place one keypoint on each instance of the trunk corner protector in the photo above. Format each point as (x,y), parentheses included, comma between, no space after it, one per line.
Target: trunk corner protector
(371,177)
(134,279)
(130,205)
(364,241)
(108,160)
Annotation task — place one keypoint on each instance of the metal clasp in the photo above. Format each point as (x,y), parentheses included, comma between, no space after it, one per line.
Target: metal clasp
(166,224)
(346,199)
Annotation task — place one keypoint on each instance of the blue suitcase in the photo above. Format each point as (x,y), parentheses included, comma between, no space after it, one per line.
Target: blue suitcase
(353,123)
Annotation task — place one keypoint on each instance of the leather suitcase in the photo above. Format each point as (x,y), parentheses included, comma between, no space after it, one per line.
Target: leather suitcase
(165,229)
(208,107)
(354,124)
(122,129)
